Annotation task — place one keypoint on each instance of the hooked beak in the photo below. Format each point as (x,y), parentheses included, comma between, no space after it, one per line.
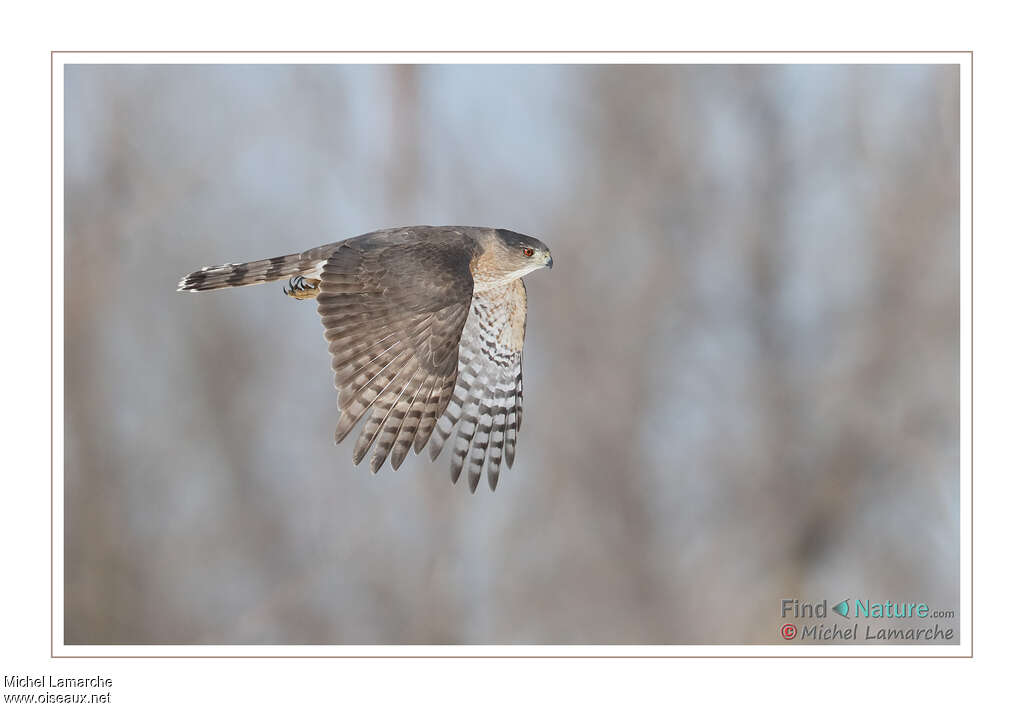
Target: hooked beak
(549,261)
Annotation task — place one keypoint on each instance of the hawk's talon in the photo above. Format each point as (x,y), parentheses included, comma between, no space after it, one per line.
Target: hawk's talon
(302,289)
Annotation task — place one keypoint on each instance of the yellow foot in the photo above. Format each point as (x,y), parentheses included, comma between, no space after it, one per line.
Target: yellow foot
(302,288)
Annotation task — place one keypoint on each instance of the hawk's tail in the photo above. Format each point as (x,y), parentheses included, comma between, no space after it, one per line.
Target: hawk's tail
(230,275)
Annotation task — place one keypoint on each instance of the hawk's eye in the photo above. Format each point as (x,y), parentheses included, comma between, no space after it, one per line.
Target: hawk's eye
(527,252)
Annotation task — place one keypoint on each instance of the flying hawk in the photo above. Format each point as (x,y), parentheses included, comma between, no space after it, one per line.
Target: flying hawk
(425,327)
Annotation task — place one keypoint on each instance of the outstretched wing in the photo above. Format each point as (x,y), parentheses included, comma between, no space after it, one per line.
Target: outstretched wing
(486,408)
(393,316)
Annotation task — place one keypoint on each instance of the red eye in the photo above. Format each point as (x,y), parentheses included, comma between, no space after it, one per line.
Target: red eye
(527,252)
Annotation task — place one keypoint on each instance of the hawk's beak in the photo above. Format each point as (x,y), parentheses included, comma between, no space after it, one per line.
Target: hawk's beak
(549,261)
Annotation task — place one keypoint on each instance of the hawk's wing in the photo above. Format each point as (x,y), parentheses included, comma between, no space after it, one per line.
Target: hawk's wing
(486,408)
(393,317)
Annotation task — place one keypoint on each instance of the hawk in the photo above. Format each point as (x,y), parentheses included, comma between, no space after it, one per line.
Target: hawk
(425,327)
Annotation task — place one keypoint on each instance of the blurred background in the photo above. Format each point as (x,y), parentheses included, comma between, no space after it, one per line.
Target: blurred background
(741,377)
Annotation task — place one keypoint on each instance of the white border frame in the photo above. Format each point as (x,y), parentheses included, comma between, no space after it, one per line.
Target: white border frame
(964,59)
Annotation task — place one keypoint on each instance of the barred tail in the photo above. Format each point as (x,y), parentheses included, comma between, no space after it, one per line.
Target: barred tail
(246,274)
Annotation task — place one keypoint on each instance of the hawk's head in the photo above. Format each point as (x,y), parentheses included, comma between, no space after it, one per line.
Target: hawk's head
(522,254)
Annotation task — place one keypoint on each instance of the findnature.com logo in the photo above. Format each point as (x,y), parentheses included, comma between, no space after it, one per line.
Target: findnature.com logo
(853,609)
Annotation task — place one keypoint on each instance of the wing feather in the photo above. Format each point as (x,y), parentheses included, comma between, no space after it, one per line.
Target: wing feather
(484,413)
(393,335)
